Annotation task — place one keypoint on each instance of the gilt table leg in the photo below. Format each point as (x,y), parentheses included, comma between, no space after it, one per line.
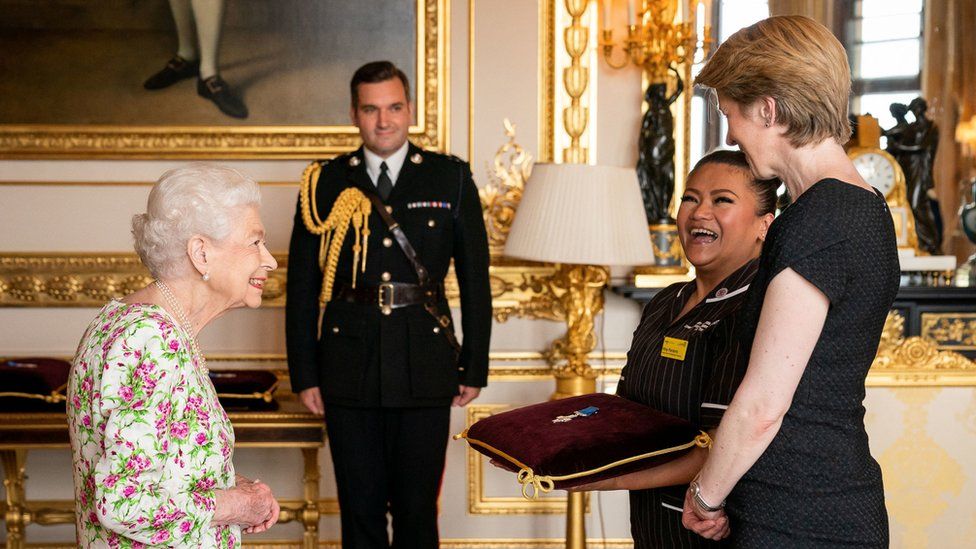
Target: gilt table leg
(13,469)
(310,515)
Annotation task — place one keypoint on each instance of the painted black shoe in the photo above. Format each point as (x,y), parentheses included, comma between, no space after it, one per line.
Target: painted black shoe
(218,91)
(176,69)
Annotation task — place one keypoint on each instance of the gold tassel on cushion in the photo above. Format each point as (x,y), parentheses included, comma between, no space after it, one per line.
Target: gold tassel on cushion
(350,208)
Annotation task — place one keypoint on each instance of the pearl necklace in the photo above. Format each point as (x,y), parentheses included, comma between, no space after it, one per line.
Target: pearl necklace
(185,323)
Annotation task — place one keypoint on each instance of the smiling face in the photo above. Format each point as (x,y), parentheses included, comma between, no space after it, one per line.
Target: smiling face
(382,114)
(717,220)
(239,264)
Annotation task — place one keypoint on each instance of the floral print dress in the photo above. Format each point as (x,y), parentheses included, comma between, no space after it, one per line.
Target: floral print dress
(150,442)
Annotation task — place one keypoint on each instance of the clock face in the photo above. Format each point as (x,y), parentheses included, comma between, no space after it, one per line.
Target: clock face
(876,170)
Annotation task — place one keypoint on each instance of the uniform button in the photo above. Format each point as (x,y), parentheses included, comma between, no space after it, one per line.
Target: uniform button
(335,329)
(389,209)
(387,242)
(460,368)
(437,330)
(431,223)
(385,277)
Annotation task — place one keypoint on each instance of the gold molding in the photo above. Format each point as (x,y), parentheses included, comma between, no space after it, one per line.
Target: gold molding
(504,366)
(481,504)
(547,80)
(118,183)
(950,331)
(62,279)
(151,142)
(485,543)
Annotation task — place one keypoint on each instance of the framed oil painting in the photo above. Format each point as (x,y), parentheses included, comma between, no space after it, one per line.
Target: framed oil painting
(74,75)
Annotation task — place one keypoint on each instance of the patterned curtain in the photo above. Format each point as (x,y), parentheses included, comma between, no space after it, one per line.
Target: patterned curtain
(949,85)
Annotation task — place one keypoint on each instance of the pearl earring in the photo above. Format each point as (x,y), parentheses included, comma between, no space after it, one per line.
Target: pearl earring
(206,277)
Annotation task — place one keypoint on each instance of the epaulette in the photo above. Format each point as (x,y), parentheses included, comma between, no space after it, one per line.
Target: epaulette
(446,156)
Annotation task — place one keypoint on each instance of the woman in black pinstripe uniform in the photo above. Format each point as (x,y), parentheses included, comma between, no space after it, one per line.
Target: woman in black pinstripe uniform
(722,222)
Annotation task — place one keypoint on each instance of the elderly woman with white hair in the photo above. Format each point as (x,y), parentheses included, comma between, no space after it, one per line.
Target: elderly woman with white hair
(151,444)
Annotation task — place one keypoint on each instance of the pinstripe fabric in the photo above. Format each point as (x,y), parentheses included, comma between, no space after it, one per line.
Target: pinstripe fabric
(697,388)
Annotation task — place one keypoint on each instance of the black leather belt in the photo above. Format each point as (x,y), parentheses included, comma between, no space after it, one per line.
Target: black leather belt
(389,295)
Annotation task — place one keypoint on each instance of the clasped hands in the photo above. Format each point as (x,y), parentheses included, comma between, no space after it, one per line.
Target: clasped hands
(249,504)
(712,525)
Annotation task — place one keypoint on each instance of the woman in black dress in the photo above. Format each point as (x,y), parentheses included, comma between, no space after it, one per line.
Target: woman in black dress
(724,215)
(791,453)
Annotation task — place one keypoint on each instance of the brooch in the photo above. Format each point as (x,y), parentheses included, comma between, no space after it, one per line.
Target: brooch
(585,412)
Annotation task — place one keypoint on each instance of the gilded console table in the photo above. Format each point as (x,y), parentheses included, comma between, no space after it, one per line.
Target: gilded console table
(288,428)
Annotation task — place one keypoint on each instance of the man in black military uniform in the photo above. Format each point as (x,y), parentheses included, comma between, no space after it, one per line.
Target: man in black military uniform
(380,366)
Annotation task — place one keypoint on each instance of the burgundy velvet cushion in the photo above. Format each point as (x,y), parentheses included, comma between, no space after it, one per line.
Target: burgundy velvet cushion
(33,384)
(528,442)
(243,390)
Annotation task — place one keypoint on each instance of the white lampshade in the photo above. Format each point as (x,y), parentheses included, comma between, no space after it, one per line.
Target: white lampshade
(576,213)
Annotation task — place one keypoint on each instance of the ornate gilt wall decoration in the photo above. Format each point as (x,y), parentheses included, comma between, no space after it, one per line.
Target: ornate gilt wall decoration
(80,141)
(952,331)
(916,361)
(509,171)
(485,543)
(89,280)
(547,80)
(576,78)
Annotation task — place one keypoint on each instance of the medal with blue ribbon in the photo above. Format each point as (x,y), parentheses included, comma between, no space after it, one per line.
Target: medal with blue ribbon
(585,412)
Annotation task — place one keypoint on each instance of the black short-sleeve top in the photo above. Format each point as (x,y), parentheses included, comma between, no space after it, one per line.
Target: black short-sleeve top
(689,366)
(817,477)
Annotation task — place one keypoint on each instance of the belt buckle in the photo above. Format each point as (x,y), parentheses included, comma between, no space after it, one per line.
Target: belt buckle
(384,297)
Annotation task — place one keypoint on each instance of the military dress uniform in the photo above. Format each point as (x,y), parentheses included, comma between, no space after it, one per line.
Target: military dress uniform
(386,371)
(690,367)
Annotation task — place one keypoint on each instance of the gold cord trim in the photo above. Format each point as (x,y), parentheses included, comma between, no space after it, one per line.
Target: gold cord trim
(267,396)
(52,398)
(350,208)
(546,483)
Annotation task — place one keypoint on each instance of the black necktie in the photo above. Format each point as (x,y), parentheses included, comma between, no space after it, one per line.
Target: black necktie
(384,185)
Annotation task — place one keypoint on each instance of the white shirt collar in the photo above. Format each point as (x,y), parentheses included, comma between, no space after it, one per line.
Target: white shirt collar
(393,163)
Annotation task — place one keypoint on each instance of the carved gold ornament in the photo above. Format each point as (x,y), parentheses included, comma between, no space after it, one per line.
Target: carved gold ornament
(954,331)
(500,198)
(916,361)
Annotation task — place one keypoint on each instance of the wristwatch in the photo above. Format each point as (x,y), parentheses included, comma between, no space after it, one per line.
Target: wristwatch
(696,495)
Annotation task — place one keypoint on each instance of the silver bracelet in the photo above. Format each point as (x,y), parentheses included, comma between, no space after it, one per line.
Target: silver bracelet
(699,501)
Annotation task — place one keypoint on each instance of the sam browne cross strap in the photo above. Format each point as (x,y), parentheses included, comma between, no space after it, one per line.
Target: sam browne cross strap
(430,304)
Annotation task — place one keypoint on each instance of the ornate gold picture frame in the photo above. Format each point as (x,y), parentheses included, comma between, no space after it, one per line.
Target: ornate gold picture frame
(294,124)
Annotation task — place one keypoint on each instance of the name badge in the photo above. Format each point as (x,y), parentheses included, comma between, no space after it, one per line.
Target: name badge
(674,348)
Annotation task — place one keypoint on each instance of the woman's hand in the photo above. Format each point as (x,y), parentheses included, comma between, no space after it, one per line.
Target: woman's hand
(250,504)
(712,525)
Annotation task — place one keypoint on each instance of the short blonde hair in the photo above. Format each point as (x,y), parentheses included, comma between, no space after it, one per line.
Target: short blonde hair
(201,199)
(796,61)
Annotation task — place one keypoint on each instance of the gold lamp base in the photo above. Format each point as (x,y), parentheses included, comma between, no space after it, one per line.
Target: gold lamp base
(581,299)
